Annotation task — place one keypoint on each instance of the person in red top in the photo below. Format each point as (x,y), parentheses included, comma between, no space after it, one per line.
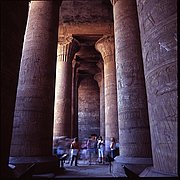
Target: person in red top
(75,148)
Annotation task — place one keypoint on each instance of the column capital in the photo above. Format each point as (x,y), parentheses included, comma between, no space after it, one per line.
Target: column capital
(100,65)
(113,2)
(67,47)
(105,46)
(98,78)
(75,64)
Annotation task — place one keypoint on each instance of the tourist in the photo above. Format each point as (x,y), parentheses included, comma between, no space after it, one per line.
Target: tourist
(91,148)
(113,147)
(101,148)
(75,148)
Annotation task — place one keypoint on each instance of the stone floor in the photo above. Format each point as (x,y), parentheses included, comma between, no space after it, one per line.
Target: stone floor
(83,170)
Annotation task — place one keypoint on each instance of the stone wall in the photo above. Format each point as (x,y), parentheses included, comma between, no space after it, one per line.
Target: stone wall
(88,108)
(81,11)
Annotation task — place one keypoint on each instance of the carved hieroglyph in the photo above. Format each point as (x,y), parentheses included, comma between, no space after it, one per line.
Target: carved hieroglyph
(33,116)
(134,132)
(158,27)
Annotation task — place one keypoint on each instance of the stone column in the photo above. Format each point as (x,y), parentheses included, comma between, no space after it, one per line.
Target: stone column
(134,132)
(67,47)
(33,118)
(13,14)
(105,46)
(74,107)
(158,30)
(100,80)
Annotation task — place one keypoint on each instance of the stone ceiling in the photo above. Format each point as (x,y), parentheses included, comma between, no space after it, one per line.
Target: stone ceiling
(86,21)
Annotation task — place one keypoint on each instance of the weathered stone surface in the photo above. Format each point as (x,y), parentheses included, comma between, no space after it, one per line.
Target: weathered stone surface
(88,108)
(134,133)
(105,46)
(158,27)
(74,105)
(67,48)
(99,77)
(132,103)
(33,117)
(80,11)
(86,28)
(11,47)
(87,21)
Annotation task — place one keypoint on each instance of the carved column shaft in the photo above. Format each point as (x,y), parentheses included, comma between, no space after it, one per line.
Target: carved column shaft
(158,27)
(134,132)
(74,107)
(33,117)
(99,78)
(11,50)
(132,102)
(105,46)
(67,47)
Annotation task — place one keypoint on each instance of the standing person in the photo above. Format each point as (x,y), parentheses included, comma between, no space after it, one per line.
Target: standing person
(60,151)
(95,144)
(101,148)
(91,148)
(113,147)
(75,148)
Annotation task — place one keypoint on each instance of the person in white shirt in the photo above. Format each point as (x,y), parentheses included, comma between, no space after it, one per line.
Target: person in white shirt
(101,148)
(75,149)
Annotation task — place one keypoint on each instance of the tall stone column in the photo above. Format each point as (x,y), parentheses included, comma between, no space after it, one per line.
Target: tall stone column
(13,14)
(33,118)
(67,47)
(105,46)
(134,131)
(158,30)
(100,80)
(74,107)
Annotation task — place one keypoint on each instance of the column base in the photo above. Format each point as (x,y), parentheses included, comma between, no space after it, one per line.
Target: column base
(42,164)
(151,172)
(134,164)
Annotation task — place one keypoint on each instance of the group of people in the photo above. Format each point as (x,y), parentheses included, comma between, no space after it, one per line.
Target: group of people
(94,146)
(101,149)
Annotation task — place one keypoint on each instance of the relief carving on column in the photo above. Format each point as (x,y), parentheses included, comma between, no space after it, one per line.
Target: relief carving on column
(67,47)
(163,81)
(105,46)
(158,27)
(161,49)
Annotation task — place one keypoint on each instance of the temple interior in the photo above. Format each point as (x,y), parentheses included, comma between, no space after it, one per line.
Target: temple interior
(89,68)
